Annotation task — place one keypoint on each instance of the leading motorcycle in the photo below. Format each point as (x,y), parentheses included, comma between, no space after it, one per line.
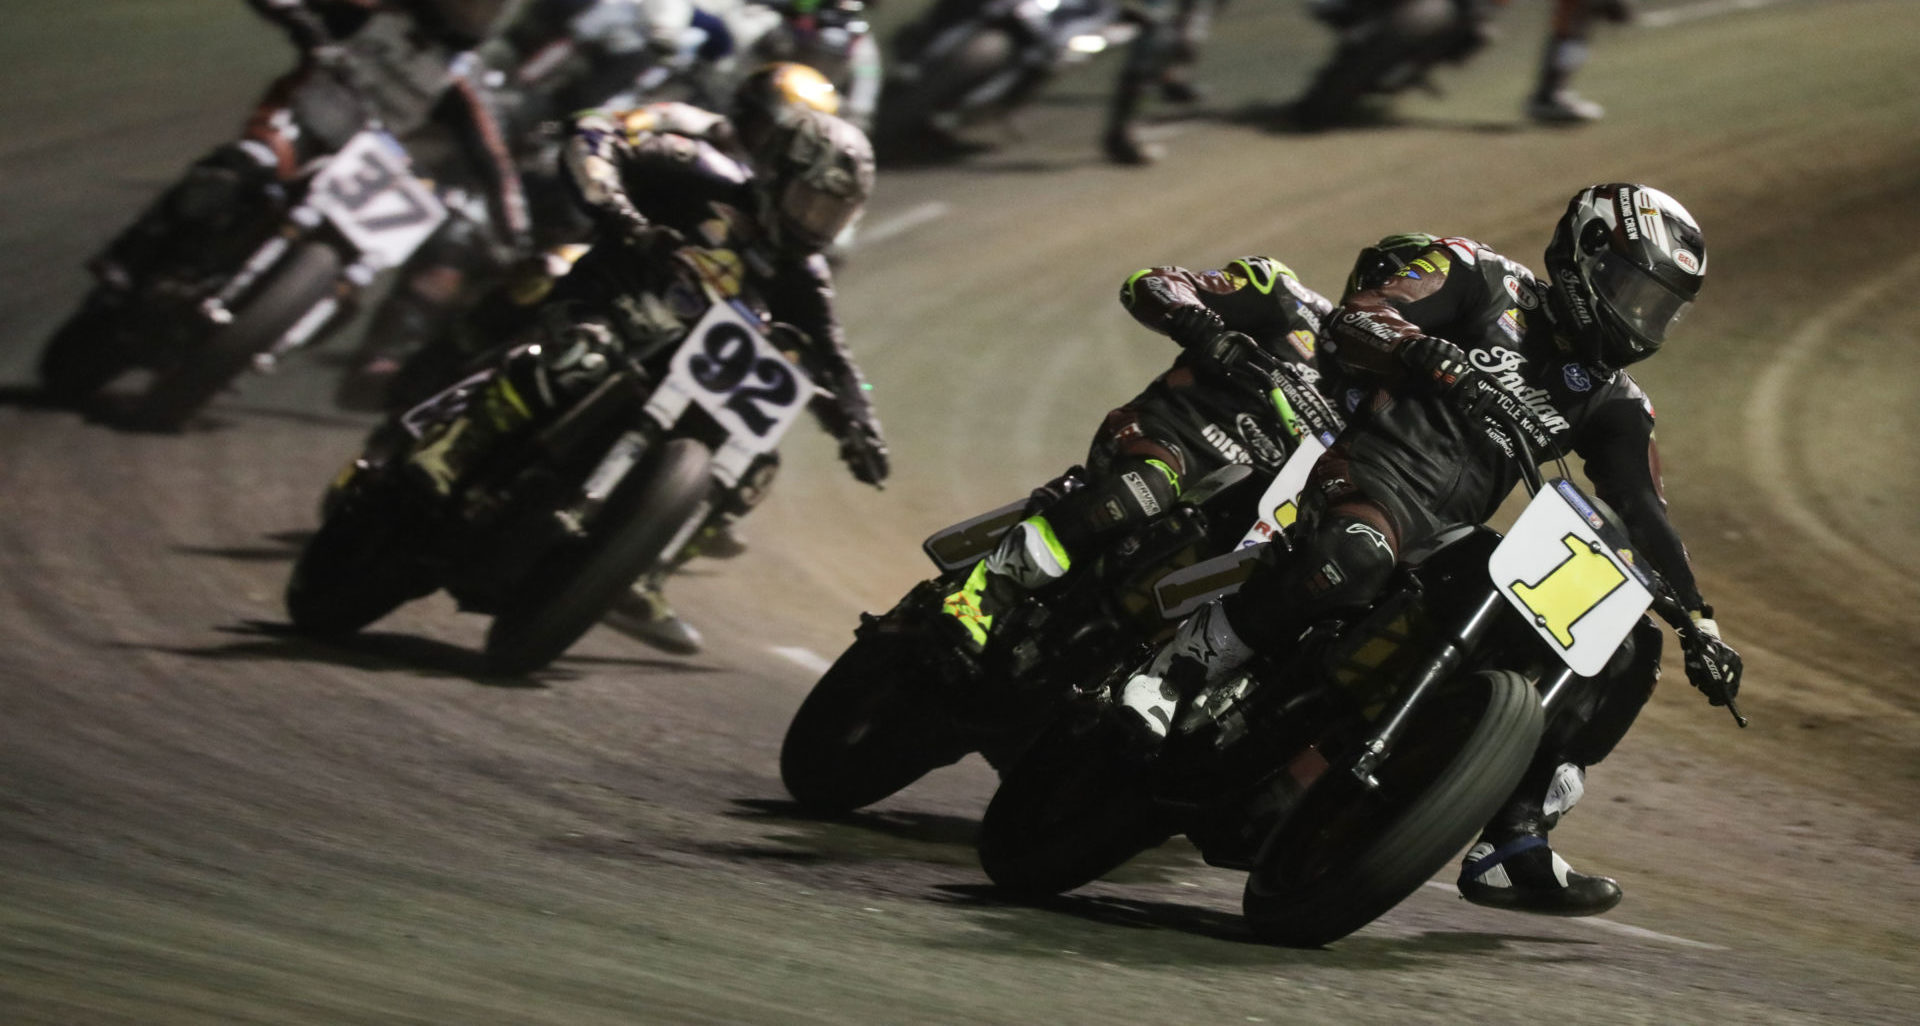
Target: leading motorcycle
(1344,773)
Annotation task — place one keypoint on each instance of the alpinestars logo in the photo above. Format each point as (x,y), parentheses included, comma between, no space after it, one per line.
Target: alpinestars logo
(1224,442)
(1142,495)
(1373,535)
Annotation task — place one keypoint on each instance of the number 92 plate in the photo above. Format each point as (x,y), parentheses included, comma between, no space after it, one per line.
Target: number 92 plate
(727,367)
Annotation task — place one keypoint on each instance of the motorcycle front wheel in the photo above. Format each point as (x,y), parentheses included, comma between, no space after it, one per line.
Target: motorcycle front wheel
(301,281)
(1072,810)
(1350,852)
(867,729)
(571,590)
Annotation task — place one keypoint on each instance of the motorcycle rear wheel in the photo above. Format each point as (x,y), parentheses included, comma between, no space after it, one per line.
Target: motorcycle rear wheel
(1071,811)
(301,281)
(866,730)
(567,594)
(1348,854)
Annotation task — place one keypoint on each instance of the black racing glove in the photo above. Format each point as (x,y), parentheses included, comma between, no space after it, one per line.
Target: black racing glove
(864,453)
(1230,354)
(1193,326)
(1712,665)
(654,240)
(1434,361)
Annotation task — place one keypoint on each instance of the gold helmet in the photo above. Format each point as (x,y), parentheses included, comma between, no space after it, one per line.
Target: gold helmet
(770,95)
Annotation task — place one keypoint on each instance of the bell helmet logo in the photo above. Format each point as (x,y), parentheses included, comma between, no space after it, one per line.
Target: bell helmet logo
(1687,261)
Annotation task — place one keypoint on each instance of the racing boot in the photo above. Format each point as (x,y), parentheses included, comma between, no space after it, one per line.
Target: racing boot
(1512,866)
(643,614)
(444,462)
(1202,651)
(1029,557)
(1552,102)
(1122,142)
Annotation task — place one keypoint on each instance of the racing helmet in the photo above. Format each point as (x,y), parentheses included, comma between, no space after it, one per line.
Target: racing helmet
(1624,265)
(1384,259)
(772,93)
(814,173)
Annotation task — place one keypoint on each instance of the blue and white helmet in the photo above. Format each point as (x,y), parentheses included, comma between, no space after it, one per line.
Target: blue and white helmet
(1625,264)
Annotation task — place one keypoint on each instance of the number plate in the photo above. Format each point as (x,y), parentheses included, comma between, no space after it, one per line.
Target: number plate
(727,366)
(369,192)
(1279,504)
(1581,594)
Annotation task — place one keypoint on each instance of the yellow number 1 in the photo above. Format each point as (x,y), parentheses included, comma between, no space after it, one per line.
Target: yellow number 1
(1570,590)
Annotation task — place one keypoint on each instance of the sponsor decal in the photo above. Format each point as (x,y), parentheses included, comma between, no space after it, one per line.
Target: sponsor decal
(1263,447)
(1687,261)
(1352,400)
(1224,442)
(1521,293)
(1365,322)
(1505,365)
(1570,288)
(1371,534)
(1143,496)
(1511,324)
(1303,341)
(1577,378)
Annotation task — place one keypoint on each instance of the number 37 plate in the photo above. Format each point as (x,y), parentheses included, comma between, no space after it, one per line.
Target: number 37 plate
(1571,575)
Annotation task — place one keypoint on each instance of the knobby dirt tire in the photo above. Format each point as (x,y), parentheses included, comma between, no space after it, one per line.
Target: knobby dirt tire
(569,592)
(299,283)
(1346,856)
(866,730)
(1072,810)
(357,568)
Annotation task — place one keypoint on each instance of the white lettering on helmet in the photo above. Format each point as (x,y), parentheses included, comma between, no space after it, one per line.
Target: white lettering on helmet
(1142,495)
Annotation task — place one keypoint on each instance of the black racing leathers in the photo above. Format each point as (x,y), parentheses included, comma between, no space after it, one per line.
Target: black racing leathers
(1195,411)
(1430,464)
(638,175)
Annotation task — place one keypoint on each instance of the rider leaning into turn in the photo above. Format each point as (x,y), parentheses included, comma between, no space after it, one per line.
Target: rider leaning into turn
(1625,262)
(1244,391)
(764,195)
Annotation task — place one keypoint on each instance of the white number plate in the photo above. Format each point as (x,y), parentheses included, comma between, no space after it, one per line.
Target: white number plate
(727,366)
(1581,594)
(369,192)
(1279,505)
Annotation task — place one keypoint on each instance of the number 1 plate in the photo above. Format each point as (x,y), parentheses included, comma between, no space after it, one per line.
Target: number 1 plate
(1581,594)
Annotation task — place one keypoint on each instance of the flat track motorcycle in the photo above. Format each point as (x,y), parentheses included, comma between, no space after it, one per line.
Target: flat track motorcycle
(908,696)
(555,524)
(1345,773)
(236,265)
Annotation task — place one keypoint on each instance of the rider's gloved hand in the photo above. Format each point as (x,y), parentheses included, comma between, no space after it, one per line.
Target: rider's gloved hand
(1193,326)
(1227,354)
(865,454)
(1712,665)
(1433,360)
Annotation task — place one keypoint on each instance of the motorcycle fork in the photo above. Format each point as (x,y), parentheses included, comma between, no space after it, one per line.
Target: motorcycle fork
(1439,666)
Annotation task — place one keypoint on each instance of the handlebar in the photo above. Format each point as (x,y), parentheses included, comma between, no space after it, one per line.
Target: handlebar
(1482,396)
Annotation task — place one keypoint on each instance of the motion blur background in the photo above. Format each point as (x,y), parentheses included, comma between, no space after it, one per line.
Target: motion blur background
(203,820)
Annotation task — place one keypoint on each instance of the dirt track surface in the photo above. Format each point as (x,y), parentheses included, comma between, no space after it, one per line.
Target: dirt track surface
(204,820)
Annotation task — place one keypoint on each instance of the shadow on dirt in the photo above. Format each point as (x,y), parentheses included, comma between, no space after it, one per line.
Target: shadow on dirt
(385,652)
(1157,933)
(859,836)
(284,548)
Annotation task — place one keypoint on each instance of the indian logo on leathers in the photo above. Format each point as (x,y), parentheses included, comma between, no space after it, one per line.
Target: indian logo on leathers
(1504,364)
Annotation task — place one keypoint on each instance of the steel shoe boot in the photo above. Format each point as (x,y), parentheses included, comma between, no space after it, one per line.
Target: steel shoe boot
(642,613)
